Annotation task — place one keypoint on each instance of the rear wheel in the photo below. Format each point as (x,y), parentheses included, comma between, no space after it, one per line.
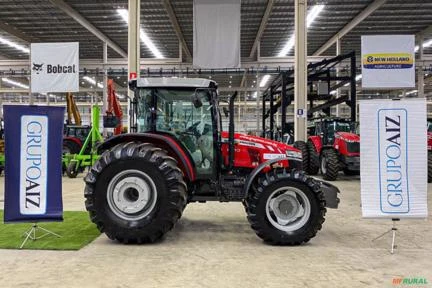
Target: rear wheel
(301,145)
(135,193)
(329,164)
(314,162)
(286,208)
(429,167)
(70,147)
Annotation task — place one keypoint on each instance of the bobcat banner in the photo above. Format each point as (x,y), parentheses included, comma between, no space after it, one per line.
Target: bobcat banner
(33,146)
(55,67)
(393,158)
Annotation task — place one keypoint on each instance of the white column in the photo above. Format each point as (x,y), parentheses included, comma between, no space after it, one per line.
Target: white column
(133,45)
(300,71)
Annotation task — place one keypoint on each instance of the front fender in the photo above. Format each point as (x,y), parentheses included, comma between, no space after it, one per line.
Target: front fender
(330,191)
(293,163)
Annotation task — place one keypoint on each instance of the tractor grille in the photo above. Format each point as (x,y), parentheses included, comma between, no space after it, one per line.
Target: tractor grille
(353,147)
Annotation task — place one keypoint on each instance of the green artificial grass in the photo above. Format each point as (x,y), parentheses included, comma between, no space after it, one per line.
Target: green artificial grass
(76,231)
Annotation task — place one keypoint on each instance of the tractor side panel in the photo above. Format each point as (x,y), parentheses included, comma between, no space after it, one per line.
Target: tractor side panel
(340,146)
(317,142)
(174,149)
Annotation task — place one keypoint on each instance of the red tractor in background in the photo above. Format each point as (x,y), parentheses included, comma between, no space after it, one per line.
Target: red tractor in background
(334,146)
(74,134)
(178,154)
(429,147)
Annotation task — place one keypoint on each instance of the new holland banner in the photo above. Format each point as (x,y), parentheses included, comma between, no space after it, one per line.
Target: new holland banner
(55,67)
(33,159)
(388,61)
(393,158)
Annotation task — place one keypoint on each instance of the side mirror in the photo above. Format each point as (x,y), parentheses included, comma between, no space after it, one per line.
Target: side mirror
(225,111)
(196,100)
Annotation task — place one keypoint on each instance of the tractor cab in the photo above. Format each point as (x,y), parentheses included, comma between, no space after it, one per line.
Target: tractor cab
(183,109)
(330,128)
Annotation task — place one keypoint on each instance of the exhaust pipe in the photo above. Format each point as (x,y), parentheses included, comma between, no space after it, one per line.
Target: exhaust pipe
(231,131)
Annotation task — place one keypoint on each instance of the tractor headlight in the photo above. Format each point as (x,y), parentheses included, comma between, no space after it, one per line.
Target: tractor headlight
(294,154)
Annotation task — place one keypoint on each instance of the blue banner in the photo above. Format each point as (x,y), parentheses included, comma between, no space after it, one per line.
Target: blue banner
(33,159)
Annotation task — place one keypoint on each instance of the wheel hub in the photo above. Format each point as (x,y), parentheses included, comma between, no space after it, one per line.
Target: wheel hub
(288,209)
(131,194)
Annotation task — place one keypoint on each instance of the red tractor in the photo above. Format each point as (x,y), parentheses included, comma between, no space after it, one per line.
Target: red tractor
(140,185)
(74,137)
(335,146)
(429,147)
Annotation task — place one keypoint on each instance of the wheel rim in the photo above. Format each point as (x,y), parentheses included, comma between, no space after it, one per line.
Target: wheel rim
(288,209)
(131,195)
(324,164)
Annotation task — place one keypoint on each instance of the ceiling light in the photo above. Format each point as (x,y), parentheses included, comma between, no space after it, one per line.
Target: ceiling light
(14,45)
(124,13)
(313,13)
(425,45)
(15,83)
(264,80)
(92,81)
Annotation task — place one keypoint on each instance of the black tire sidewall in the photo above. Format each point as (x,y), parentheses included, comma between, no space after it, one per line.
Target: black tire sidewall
(295,236)
(115,224)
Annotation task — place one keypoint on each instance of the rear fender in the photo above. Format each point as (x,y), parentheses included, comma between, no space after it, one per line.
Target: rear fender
(172,146)
(73,139)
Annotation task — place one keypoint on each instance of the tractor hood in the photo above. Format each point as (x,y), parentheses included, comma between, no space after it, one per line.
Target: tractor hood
(259,142)
(348,137)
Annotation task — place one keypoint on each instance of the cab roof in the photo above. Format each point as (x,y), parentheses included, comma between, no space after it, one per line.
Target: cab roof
(174,82)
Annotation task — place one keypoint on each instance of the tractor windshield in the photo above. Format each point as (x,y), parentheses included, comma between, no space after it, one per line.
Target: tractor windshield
(172,111)
(337,126)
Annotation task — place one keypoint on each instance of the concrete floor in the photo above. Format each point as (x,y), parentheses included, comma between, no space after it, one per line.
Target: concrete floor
(213,246)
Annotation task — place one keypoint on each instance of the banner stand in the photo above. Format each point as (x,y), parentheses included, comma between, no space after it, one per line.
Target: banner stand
(392,230)
(31,234)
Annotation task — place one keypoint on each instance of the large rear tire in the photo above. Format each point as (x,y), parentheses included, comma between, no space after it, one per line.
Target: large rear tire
(135,193)
(329,164)
(314,162)
(301,145)
(429,167)
(286,208)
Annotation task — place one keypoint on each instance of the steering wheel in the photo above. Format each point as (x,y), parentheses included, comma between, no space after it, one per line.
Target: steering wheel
(192,130)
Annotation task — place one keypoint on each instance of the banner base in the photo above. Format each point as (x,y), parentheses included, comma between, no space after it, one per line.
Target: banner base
(31,234)
(393,231)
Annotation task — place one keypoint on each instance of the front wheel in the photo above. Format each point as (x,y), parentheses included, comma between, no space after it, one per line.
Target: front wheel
(286,208)
(329,164)
(135,193)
